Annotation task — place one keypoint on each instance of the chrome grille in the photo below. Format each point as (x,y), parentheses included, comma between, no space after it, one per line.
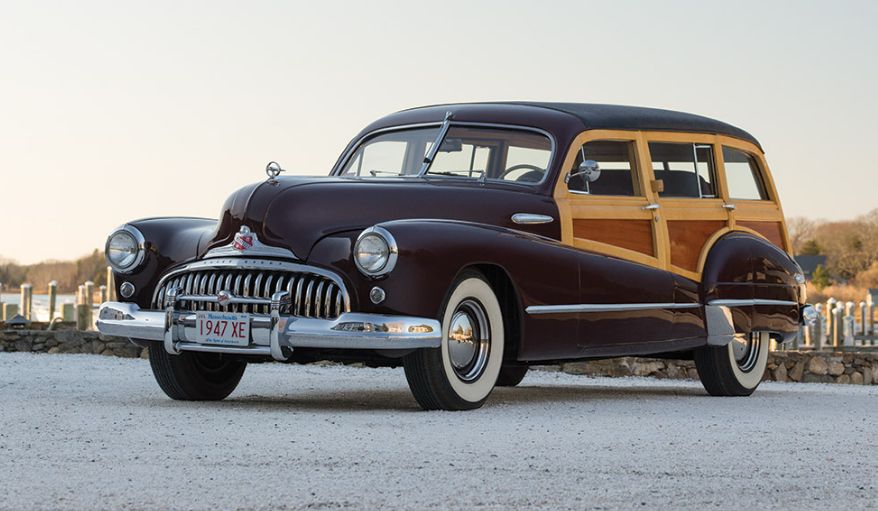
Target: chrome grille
(312,295)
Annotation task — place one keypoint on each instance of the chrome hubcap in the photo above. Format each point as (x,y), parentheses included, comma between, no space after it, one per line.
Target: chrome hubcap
(469,340)
(746,351)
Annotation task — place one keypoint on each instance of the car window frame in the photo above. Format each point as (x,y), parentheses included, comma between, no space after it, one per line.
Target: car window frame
(760,170)
(550,167)
(636,172)
(716,178)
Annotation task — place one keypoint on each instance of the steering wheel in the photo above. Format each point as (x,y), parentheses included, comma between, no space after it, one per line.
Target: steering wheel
(532,175)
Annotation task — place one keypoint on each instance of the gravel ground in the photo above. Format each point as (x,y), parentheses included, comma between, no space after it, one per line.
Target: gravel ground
(85,432)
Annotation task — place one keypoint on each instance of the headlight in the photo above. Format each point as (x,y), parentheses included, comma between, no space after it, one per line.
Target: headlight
(125,249)
(375,251)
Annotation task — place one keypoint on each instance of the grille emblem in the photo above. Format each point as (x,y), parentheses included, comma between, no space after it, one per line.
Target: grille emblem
(244,239)
(224,298)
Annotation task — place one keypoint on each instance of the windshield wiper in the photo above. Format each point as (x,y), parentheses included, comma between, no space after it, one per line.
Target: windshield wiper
(428,158)
(376,172)
(459,173)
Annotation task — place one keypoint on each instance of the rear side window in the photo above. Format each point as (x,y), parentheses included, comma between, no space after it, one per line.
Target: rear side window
(743,175)
(618,165)
(685,170)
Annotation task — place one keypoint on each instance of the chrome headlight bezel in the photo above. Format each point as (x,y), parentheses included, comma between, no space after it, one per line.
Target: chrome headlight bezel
(139,242)
(392,251)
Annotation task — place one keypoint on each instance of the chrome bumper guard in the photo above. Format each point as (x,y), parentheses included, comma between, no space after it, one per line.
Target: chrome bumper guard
(274,334)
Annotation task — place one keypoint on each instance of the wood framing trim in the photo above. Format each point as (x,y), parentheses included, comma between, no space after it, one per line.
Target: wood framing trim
(772,231)
(689,238)
(762,218)
(633,235)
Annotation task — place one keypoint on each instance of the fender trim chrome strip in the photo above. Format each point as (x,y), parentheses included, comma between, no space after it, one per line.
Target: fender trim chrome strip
(746,303)
(622,307)
(606,307)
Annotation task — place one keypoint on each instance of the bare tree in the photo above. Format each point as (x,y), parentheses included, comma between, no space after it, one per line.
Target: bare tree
(801,230)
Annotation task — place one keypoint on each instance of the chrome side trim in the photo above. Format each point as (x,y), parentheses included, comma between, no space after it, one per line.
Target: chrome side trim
(606,307)
(254,264)
(746,303)
(531,219)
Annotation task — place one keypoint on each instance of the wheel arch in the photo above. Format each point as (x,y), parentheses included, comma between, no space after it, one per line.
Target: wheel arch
(510,304)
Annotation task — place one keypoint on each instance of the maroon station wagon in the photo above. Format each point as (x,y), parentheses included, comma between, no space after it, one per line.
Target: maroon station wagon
(465,242)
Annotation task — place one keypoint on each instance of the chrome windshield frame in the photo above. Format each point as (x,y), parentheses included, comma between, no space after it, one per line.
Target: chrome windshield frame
(444,127)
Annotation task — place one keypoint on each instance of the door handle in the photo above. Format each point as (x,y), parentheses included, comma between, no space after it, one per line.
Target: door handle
(651,207)
(729,207)
(531,219)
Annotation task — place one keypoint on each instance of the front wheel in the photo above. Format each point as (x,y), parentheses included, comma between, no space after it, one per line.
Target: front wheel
(735,369)
(461,373)
(192,376)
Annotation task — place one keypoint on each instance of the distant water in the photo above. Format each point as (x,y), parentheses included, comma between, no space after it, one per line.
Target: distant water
(40,304)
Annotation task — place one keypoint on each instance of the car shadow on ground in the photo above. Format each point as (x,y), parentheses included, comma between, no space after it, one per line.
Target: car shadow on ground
(363,399)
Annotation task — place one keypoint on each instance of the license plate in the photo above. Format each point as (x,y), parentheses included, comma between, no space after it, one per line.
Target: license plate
(226,328)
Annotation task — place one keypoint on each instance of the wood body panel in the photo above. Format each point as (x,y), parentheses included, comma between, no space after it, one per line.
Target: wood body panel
(688,238)
(773,231)
(633,235)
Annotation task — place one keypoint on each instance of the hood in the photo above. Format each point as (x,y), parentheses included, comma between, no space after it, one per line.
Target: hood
(296,212)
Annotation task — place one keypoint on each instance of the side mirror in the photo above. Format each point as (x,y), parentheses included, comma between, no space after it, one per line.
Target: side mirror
(451,145)
(588,169)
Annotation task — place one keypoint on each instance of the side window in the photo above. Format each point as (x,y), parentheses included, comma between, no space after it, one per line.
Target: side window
(743,176)
(459,158)
(685,170)
(618,169)
(380,158)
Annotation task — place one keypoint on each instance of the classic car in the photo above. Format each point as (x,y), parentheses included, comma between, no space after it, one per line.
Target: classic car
(466,242)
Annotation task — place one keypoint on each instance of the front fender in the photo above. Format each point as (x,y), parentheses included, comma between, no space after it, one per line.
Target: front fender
(433,252)
(169,242)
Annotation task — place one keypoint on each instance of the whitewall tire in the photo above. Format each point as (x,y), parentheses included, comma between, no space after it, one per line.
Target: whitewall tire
(735,369)
(461,374)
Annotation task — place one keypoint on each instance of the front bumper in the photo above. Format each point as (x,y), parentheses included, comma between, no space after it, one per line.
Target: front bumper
(274,335)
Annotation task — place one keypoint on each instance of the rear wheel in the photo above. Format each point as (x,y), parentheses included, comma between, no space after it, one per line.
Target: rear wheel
(735,369)
(192,376)
(511,376)
(461,373)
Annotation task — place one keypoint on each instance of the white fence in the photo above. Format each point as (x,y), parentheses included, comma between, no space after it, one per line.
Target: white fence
(841,326)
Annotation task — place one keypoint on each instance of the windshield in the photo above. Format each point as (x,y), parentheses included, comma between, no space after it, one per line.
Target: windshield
(467,152)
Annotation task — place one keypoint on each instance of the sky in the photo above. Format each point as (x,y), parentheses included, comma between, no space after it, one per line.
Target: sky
(113,111)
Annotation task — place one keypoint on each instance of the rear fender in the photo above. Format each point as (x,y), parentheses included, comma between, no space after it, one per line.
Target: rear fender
(755,280)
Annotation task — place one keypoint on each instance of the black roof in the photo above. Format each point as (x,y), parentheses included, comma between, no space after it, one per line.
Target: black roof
(598,116)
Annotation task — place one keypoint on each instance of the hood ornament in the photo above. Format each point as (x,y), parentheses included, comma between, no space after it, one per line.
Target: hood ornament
(245,242)
(272,170)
